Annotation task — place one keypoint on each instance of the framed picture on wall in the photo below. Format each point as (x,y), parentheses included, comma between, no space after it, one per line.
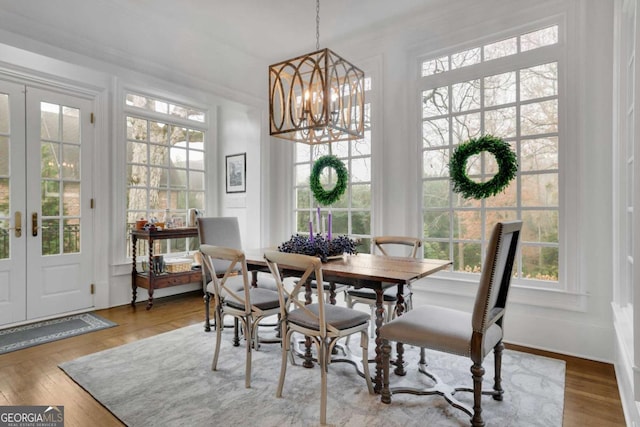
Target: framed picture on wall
(236,173)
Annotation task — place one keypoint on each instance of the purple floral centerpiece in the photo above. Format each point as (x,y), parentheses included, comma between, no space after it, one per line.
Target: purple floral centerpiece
(319,246)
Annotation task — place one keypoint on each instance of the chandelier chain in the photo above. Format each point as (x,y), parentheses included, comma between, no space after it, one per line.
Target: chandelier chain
(317,24)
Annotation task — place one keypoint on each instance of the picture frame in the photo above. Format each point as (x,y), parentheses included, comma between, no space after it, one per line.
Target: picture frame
(236,173)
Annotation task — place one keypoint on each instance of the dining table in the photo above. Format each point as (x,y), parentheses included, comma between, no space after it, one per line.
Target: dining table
(363,270)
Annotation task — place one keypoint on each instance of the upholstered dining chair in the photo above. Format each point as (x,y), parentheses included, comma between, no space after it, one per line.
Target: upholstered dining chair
(323,323)
(225,232)
(384,245)
(249,305)
(458,332)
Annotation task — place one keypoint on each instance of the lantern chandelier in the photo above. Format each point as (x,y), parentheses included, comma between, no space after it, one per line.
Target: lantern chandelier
(316,98)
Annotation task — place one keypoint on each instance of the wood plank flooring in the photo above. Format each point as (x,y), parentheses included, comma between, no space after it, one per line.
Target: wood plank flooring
(32,376)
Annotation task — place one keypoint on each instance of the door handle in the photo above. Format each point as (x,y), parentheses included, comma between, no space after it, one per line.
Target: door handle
(34,224)
(18,222)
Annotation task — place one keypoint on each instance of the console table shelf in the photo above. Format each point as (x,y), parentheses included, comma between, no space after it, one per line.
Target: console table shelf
(150,280)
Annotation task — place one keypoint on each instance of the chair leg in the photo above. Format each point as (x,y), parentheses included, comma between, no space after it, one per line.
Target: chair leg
(385,393)
(323,357)
(497,380)
(364,343)
(218,320)
(248,332)
(477,372)
(286,345)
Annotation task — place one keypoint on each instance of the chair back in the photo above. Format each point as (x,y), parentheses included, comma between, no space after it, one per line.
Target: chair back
(220,231)
(235,261)
(312,268)
(385,243)
(495,278)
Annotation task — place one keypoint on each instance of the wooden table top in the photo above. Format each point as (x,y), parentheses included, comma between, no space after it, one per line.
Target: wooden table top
(368,268)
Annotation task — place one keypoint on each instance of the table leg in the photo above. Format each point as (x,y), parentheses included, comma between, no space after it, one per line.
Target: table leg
(399,347)
(152,274)
(377,387)
(134,272)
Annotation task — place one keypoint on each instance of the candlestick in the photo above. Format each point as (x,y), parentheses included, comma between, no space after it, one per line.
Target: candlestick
(323,224)
(311,231)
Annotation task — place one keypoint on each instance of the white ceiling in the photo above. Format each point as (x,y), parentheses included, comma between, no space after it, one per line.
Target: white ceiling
(264,29)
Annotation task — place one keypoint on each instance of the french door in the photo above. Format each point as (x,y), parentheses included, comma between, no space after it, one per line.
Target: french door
(46,223)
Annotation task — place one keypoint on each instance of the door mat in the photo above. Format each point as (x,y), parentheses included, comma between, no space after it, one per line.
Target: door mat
(24,336)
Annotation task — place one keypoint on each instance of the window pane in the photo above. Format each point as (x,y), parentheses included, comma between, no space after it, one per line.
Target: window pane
(435,66)
(340,149)
(435,133)
(436,224)
(360,170)
(465,127)
(465,58)
(361,147)
(502,48)
(340,222)
(303,198)
(136,128)
(302,152)
(540,226)
(495,216)
(465,96)
(506,198)
(302,222)
(540,190)
(302,174)
(435,163)
(361,196)
(539,118)
(466,257)
(539,154)
(436,250)
(539,82)
(539,263)
(536,39)
(158,132)
(49,121)
(435,102)
(500,89)
(436,194)
(361,222)
(467,225)
(196,180)
(501,123)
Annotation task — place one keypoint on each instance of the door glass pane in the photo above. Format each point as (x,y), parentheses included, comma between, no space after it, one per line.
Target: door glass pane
(49,121)
(71,161)
(71,236)
(4,198)
(50,236)
(70,124)
(49,160)
(4,239)
(4,155)
(50,198)
(4,113)
(71,199)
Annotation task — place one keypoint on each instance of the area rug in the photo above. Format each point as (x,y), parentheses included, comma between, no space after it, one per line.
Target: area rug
(166,380)
(24,336)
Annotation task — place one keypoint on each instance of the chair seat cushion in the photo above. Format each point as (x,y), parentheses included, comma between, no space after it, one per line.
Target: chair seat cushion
(233,283)
(438,328)
(339,317)
(264,299)
(389,295)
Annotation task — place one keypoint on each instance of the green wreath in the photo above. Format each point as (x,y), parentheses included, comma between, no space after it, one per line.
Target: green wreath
(507,167)
(323,196)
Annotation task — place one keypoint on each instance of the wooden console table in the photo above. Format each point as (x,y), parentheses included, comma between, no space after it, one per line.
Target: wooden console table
(150,280)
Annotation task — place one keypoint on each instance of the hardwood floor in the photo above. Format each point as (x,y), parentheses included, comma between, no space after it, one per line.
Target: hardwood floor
(32,376)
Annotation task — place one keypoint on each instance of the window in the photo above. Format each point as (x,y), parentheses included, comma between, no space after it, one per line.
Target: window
(352,213)
(465,95)
(165,162)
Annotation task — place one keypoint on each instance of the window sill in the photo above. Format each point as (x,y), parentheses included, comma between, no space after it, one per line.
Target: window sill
(443,283)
